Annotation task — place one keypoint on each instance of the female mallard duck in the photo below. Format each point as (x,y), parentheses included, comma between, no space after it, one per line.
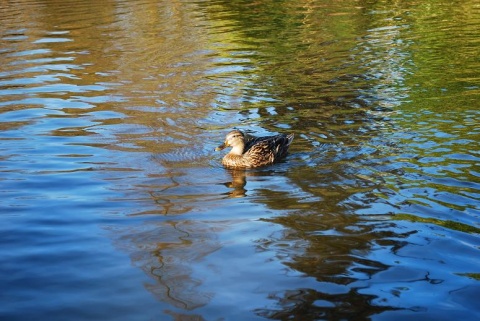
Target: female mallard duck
(248,151)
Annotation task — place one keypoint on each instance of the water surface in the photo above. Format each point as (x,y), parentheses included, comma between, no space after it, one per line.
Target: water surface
(114,205)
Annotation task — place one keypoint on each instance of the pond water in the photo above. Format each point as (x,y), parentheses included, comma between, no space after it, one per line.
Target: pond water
(114,205)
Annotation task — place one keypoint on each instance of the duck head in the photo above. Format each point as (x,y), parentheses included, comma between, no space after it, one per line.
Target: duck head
(235,139)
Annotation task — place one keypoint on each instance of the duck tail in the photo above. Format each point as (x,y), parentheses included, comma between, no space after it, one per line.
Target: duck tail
(290,138)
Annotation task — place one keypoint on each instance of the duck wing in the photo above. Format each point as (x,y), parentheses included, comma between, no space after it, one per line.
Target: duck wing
(266,150)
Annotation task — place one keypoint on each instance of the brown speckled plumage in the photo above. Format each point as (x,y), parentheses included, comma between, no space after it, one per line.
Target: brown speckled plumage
(249,152)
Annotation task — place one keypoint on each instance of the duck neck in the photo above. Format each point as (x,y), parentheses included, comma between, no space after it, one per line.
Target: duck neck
(237,149)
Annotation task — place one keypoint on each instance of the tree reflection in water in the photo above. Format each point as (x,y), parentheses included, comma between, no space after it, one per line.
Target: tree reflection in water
(166,251)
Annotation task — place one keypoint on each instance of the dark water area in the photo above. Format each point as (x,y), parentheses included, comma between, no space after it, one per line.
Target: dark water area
(114,205)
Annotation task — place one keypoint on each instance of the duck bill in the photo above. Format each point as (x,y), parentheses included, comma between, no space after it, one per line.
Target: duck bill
(220,147)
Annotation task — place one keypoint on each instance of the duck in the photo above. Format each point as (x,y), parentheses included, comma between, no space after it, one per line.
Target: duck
(249,151)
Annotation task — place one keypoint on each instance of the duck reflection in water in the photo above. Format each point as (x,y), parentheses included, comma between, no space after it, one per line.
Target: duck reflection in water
(239,180)
(249,152)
